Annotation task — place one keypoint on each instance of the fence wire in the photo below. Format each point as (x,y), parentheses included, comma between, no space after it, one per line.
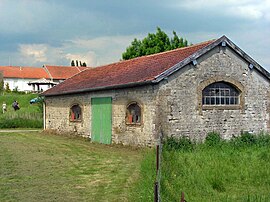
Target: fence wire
(158,168)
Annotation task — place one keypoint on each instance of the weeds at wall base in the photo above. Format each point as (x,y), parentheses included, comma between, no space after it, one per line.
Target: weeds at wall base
(217,169)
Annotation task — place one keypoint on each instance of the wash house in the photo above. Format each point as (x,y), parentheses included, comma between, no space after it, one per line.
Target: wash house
(191,91)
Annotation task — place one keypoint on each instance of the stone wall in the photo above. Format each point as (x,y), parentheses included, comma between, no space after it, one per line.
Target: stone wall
(174,106)
(57,114)
(180,96)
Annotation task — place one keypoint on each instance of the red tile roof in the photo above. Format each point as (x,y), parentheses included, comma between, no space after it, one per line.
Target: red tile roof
(63,72)
(126,72)
(47,72)
(23,72)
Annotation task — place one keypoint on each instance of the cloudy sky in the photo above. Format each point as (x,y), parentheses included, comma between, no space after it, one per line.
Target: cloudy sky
(37,32)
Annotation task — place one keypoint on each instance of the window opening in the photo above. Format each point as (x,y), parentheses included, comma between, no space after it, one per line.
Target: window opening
(220,93)
(133,114)
(76,113)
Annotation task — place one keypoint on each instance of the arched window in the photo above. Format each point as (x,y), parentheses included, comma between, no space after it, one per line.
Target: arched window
(133,114)
(75,113)
(220,93)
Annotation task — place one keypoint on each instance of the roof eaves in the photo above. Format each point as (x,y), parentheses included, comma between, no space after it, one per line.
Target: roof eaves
(186,61)
(247,57)
(128,85)
(207,48)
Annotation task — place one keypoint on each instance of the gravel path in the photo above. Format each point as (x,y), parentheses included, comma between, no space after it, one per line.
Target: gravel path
(19,130)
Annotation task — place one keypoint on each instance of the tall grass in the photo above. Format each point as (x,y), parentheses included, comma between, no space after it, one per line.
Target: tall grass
(29,116)
(217,170)
(144,187)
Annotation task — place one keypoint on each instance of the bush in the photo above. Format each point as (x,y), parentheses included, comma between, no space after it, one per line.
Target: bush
(245,139)
(25,120)
(182,143)
(263,139)
(212,139)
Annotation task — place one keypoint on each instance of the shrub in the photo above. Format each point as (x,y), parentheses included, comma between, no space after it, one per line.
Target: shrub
(212,139)
(245,139)
(7,89)
(263,139)
(21,120)
(182,143)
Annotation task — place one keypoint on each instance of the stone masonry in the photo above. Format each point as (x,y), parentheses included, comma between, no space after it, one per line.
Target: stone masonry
(181,98)
(57,115)
(174,106)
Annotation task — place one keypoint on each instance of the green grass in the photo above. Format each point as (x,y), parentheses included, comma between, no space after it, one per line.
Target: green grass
(238,170)
(29,116)
(35,166)
(38,167)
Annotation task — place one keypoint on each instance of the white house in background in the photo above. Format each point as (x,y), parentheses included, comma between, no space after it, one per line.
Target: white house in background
(36,79)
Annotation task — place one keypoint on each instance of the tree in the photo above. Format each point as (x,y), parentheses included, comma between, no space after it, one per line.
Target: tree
(7,88)
(1,82)
(78,63)
(72,63)
(153,43)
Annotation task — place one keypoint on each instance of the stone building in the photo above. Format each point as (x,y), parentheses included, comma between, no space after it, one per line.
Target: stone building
(191,91)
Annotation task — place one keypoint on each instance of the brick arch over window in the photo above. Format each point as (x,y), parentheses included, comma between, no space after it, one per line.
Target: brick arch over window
(239,88)
(134,113)
(75,113)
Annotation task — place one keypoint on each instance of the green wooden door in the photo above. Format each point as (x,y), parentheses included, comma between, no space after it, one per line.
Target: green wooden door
(102,120)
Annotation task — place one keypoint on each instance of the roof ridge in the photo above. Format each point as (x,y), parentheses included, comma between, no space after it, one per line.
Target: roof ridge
(59,66)
(48,72)
(155,54)
(181,48)
(18,66)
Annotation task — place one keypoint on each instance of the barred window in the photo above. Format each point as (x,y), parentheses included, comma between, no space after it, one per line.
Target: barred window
(75,113)
(220,93)
(133,114)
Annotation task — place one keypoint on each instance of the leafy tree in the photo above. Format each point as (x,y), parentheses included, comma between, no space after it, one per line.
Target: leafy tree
(153,43)
(1,85)
(16,89)
(7,88)
(1,82)
(72,63)
(78,63)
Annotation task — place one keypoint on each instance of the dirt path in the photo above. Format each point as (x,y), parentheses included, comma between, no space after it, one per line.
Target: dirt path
(19,130)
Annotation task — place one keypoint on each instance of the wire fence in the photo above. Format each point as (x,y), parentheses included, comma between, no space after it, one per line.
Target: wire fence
(157,197)
(157,187)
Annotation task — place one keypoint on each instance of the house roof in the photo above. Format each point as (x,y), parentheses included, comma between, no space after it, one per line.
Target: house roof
(23,72)
(47,72)
(143,70)
(63,72)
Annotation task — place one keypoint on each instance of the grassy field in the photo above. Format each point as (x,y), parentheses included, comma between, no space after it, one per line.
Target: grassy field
(237,170)
(29,116)
(35,167)
(43,167)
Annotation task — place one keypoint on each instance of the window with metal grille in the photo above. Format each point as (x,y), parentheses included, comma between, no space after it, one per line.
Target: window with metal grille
(220,93)
(75,113)
(133,114)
